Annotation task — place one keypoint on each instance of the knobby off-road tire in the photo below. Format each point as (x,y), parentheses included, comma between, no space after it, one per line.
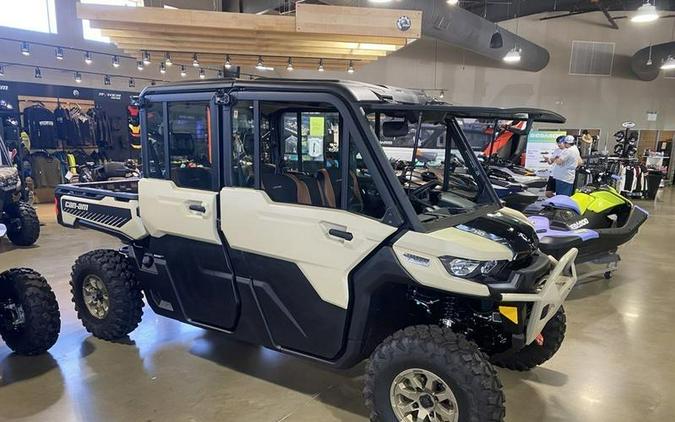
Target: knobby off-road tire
(534,354)
(30,225)
(39,320)
(430,349)
(116,307)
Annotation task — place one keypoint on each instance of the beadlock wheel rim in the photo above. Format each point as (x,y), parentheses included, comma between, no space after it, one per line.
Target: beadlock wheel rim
(418,395)
(95,295)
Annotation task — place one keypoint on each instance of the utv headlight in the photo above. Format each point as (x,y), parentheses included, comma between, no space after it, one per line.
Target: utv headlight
(460,267)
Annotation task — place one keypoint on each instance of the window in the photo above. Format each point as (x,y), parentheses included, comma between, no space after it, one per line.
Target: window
(190,144)
(242,145)
(94,34)
(31,15)
(311,140)
(363,197)
(154,123)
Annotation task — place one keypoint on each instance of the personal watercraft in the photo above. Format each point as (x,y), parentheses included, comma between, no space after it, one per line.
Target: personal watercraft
(596,220)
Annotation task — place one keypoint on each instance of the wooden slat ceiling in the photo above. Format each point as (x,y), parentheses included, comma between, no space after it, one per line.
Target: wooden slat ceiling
(337,35)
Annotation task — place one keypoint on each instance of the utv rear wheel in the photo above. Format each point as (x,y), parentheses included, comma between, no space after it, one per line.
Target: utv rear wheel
(28,229)
(540,350)
(107,297)
(428,373)
(29,314)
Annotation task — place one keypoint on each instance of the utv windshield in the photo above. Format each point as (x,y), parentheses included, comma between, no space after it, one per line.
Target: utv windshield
(434,162)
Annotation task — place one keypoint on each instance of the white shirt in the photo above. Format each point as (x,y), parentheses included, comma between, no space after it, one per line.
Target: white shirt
(569,160)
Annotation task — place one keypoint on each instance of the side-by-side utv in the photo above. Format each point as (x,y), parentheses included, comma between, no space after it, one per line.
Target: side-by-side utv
(269,211)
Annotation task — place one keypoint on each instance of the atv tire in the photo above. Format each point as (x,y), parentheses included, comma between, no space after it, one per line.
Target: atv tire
(29,314)
(534,354)
(29,227)
(438,360)
(108,299)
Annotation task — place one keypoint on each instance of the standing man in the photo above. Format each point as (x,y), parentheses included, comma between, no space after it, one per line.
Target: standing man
(565,169)
(586,142)
(550,184)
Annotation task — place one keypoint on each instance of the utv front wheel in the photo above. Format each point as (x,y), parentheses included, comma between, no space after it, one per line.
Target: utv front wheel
(107,297)
(29,314)
(27,231)
(428,373)
(540,350)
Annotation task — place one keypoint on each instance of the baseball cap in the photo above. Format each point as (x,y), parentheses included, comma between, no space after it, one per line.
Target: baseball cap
(569,139)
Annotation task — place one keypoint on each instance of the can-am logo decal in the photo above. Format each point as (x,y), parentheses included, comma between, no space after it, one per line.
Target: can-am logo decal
(46,123)
(76,205)
(403,23)
(417,260)
(579,224)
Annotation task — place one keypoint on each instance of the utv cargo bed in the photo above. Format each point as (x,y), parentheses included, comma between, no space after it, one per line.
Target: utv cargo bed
(111,207)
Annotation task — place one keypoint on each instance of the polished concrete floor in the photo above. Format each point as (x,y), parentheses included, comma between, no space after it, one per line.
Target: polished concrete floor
(615,365)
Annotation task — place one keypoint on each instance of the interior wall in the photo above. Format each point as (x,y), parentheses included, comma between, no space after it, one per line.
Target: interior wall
(586,101)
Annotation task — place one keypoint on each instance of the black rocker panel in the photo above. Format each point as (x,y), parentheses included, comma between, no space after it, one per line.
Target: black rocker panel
(202,278)
(296,316)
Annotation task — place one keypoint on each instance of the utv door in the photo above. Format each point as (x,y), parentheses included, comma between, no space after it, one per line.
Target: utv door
(191,272)
(294,246)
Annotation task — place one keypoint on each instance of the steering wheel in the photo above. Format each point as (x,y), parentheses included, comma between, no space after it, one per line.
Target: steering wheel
(416,194)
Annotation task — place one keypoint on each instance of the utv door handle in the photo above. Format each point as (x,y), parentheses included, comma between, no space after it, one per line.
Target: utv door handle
(341,234)
(197,208)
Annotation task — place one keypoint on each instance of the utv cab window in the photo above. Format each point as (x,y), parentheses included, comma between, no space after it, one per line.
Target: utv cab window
(242,144)
(154,124)
(436,165)
(190,145)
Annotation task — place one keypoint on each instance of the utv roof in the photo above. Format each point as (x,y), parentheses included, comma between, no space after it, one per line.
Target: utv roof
(381,97)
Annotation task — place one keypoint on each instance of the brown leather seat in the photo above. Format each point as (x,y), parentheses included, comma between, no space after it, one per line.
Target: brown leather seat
(330,182)
(286,188)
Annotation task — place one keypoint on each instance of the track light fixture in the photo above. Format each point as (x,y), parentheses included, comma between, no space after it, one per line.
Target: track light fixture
(25,48)
(202,73)
(146,58)
(289,66)
(153,83)
(261,64)
(220,74)
(350,68)
(37,73)
(669,63)
(195,61)
(167,59)
(321,68)
(106,80)
(645,13)
(183,73)
(441,94)
(78,77)
(496,41)
(59,53)
(162,68)
(115,61)
(88,58)
(228,63)
(513,56)
(139,65)
(132,83)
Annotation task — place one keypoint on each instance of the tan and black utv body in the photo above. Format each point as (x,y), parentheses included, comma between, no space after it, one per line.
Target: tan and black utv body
(268,210)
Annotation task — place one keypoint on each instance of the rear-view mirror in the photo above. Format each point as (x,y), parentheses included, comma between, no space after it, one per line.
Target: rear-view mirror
(395,129)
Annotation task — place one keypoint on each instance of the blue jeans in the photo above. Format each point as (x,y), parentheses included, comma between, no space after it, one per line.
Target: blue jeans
(564,188)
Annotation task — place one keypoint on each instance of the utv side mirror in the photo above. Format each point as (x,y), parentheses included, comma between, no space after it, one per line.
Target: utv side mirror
(395,129)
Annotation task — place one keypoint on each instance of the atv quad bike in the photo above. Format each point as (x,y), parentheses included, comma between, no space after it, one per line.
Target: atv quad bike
(29,314)
(20,218)
(269,211)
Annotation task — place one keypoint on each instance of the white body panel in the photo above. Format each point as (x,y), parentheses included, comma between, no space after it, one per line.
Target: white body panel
(452,242)
(166,210)
(102,212)
(252,222)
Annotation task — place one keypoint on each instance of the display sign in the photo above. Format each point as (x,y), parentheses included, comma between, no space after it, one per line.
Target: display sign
(316,126)
(540,144)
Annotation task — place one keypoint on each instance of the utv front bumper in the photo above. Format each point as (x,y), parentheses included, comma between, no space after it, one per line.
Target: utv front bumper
(549,297)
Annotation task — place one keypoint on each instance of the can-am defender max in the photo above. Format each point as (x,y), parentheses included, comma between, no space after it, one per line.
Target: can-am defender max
(269,211)
(19,217)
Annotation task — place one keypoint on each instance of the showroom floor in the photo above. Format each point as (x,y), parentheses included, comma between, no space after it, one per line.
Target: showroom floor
(615,365)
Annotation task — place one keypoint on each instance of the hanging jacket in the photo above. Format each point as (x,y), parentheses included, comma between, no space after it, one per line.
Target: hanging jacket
(39,122)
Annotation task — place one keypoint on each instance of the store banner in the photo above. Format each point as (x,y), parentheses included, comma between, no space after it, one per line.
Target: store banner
(540,144)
